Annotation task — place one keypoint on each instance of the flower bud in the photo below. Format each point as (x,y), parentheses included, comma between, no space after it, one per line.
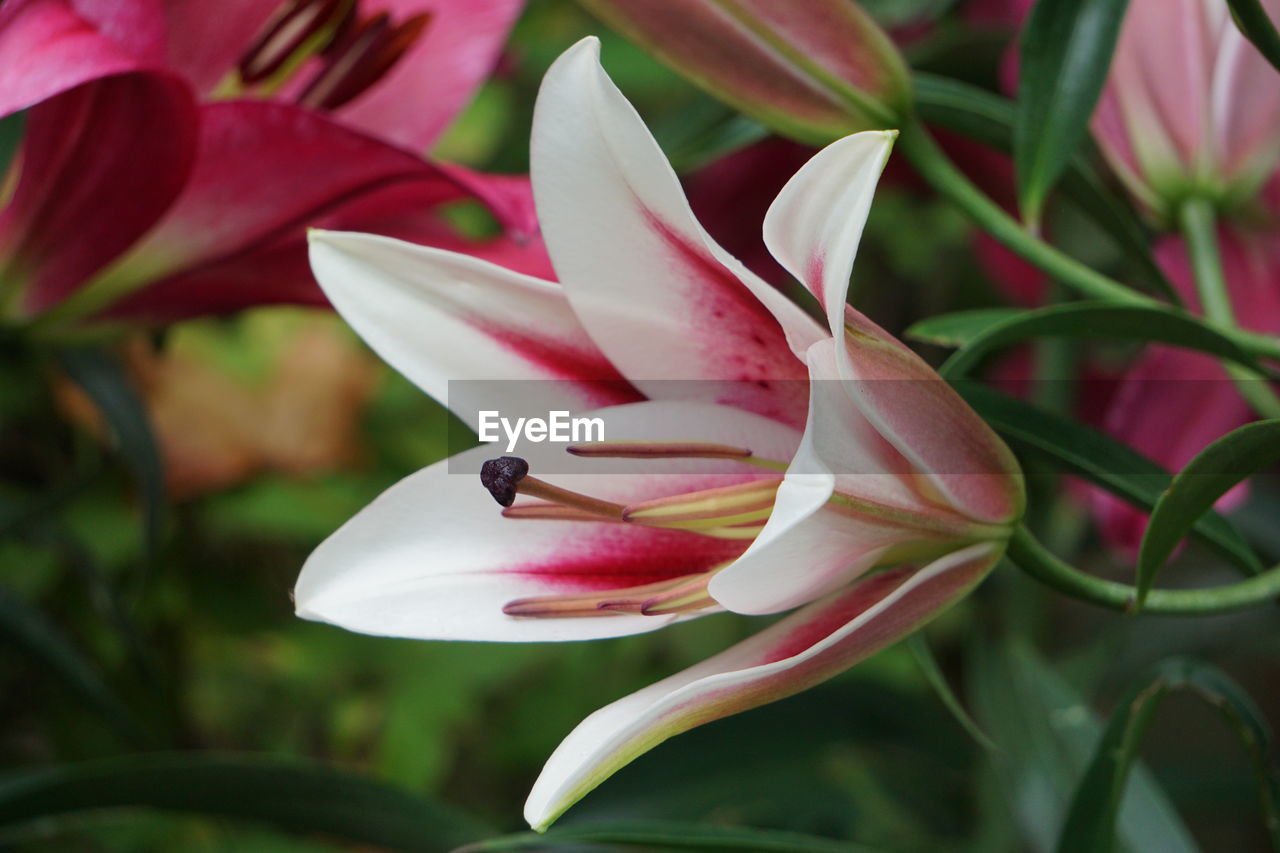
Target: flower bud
(814,71)
(1190,106)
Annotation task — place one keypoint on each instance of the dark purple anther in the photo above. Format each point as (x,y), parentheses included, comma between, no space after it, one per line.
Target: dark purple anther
(501,475)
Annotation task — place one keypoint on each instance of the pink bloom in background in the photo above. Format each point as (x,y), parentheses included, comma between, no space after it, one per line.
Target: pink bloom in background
(755,460)
(174,151)
(1173,402)
(1189,104)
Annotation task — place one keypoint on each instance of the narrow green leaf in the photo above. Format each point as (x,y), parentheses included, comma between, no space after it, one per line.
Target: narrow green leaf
(28,630)
(959,328)
(1066,50)
(704,131)
(1195,489)
(11,128)
(1099,459)
(928,664)
(1096,320)
(1257,26)
(667,835)
(291,795)
(1091,820)
(101,377)
(1048,735)
(989,118)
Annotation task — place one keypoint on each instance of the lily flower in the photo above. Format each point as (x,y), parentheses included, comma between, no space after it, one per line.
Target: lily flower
(761,461)
(174,151)
(1187,106)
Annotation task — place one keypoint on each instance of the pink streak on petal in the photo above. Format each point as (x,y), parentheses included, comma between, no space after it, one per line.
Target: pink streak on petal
(804,649)
(743,346)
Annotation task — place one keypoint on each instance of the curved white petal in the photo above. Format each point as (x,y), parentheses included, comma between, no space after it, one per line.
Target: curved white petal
(807,647)
(813,229)
(656,293)
(810,546)
(815,224)
(438,316)
(433,558)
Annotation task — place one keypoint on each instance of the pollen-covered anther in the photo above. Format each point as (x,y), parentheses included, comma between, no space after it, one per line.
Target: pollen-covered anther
(659,450)
(507,476)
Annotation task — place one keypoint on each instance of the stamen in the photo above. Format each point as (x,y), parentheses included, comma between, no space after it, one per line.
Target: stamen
(658,450)
(507,476)
(709,504)
(554,512)
(297,23)
(360,56)
(679,594)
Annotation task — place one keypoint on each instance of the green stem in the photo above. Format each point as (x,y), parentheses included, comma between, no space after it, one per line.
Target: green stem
(1199,231)
(936,168)
(941,174)
(1036,560)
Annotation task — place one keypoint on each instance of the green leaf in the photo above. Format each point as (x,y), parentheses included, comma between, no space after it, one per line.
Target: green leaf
(668,835)
(1048,734)
(28,629)
(291,795)
(1253,21)
(704,131)
(1066,50)
(928,664)
(1099,459)
(960,327)
(1195,489)
(989,118)
(11,128)
(101,377)
(1091,820)
(1093,320)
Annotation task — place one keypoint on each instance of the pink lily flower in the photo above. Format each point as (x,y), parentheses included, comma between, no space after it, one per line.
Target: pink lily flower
(173,151)
(762,461)
(1171,403)
(1187,106)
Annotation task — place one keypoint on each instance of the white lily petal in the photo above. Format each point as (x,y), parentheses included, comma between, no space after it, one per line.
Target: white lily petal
(433,558)
(814,226)
(438,316)
(809,546)
(661,298)
(813,229)
(802,650)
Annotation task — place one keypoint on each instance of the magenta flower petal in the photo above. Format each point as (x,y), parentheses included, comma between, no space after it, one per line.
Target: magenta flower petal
(431,83)
(50,46)
(204,47)
(263,170)
(101,164)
